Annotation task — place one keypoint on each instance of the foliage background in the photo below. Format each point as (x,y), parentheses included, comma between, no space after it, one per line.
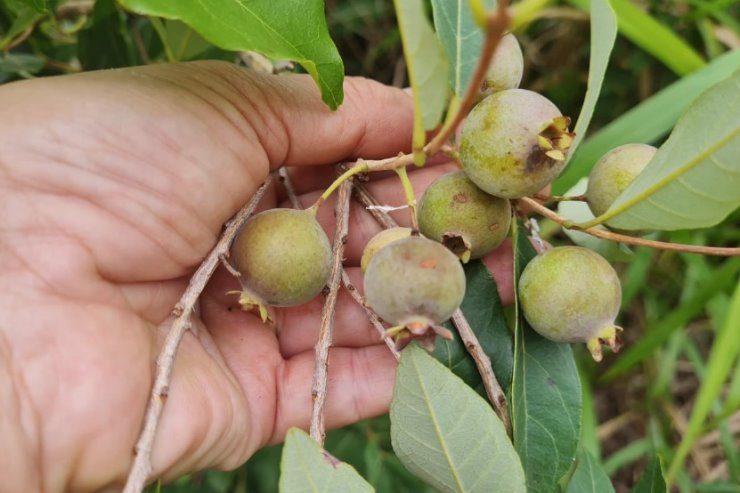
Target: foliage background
(629,414)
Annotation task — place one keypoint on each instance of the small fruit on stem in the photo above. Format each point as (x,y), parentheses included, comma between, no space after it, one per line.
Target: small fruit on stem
(572,294)
(415,284)
(514,143)
(379,241)
(613,173)
(284,258)
(467,220)
(506,67)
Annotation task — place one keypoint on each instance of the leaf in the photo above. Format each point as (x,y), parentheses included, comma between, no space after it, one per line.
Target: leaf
(305,467)
(648,121)
(446,434)
(694,178)
(603,34)
(24,19)
(461,38)
(546,398)
(426,64)
(651,480)
(20,63)
(589,476)
(107,28)
(724,352)
(652,36)
(721,278)
(482,308)
(291,29)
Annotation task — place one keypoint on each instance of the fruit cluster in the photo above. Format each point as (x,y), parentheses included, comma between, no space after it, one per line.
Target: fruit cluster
(512,144)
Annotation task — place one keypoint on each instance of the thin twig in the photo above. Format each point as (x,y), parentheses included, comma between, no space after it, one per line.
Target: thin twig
(493,389)
(289,188)
(326,329)
(629,240)
(371,315)
(142,466)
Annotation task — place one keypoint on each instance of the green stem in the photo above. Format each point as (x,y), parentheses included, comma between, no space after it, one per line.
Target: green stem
(360,167)
(408,190)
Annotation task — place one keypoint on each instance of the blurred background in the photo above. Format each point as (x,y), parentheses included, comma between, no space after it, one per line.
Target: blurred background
(636,403)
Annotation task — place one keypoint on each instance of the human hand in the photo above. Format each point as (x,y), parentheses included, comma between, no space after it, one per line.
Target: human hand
(115,185)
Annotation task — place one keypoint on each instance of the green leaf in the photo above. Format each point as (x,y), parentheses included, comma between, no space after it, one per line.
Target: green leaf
(446,434)
(724,352)
(546,398)
(652,36)
(306,467)
(724,277)
(107,28)
(651,480)
(589,476)
(603,34)
(649,121)
(291,29)
(20,63)
(694,178)
(426,64)
(25,19)
(482,308)
(461,38)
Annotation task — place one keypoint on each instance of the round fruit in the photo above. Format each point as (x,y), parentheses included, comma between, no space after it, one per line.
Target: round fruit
(506,67)
(414,283)
(613,173)
(513,143)
(379,241)
(284,257)
(572,294)
(468,221)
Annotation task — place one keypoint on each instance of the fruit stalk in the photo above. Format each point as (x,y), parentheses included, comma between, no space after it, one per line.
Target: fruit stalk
(142,465)
(629,240)
(321,368)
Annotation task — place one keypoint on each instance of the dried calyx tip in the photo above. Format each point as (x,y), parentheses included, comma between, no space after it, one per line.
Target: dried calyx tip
(420,329)
(555,139)
(608,337)
(249,303)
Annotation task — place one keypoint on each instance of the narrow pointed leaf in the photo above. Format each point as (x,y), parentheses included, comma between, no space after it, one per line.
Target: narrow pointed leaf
(483,310)
(290,29)
(427,66)
(649,121)
(694,178)
(651,480)
(603,35)
(306,468)
(546,398)
(589,476)
(461,38)
(446,434)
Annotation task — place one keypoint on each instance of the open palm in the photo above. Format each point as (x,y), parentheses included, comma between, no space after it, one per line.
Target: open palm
(113,187)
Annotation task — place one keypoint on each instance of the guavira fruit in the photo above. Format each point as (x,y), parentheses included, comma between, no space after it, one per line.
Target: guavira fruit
(379,241)
(513,143)
(572,294)
(613,173)
(506,67)
(284,258)
(467,220)
(415,284)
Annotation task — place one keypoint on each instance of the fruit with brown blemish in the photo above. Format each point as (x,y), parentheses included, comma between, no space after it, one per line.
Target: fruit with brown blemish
(458,214)
(614,172)
(284,258)
(514,143)
(572,294)
(506,67)
(379,241)
(415,284)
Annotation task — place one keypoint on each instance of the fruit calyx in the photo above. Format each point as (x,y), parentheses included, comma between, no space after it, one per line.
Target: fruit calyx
(249,302)
(555,139)
(457,244)
(608,336)
(419,329)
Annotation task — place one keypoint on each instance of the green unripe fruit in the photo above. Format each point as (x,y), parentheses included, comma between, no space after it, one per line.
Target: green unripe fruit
(284,258)
(613,173)
(513,143)
(506,67)
(415,284)
(379,241)
(468,221)
(572,294)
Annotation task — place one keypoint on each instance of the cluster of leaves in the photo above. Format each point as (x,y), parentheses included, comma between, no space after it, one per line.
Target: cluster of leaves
(552,404)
